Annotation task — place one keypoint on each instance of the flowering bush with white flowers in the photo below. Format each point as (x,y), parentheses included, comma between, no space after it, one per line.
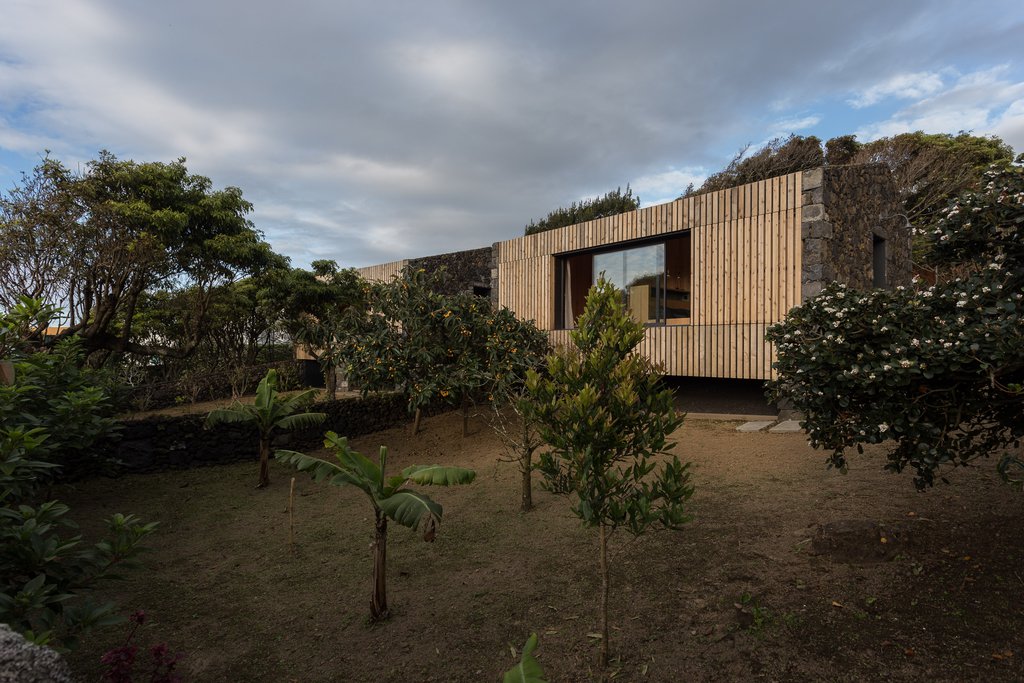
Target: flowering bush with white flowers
(938,371)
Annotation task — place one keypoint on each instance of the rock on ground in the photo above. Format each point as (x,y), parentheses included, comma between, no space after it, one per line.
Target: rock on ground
(25,662)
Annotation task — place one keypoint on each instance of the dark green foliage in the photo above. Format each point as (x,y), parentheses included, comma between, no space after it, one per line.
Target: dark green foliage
(389,497)
(605,416)
(841,150)
(928,169)
(610,204)
(938,371)
(323,309)
(96,242)
(52,411)
(436,348)
(71,404)
(268,413)
(778,157)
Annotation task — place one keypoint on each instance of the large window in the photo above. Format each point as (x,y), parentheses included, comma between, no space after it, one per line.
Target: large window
(654,279)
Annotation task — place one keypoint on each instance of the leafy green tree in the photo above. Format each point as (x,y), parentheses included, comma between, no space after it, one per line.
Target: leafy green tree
(36,255)
(53,392)
(388,495)
(325,309)
(938,371)
(513,348)
(604,414)
(418,340)
(778,156)
(270,412)
(928,169)
(437,348)
(242,330)
(52,410)
(96,242)
(931,169)
(610,204)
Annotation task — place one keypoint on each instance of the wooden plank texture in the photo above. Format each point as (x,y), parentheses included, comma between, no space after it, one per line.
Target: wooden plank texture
(745,273)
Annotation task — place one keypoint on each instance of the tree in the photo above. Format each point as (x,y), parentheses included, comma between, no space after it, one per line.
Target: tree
(928,169)
(931,169)
(244,330)
(388,496)
(269,412)
(604,415)
(51,410)
(513,348)
(324,309)
(939,371)
(36,255)
(778,156)
(610,204)
(430,346)
(98,241)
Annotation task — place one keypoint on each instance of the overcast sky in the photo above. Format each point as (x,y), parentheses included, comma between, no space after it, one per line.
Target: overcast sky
(371,131)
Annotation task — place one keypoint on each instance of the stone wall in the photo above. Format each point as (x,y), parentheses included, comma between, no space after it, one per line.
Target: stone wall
(469,272)
(161,443)
(844,209)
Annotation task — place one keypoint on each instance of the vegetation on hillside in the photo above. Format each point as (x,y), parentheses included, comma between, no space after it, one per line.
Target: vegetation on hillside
(937,371)
(609,204)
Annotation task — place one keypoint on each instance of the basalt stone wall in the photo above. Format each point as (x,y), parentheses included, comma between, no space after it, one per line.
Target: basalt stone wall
(845,209)
(160,443)
(469,272)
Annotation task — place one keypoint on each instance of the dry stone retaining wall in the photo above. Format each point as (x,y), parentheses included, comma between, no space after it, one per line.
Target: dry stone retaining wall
(162,443)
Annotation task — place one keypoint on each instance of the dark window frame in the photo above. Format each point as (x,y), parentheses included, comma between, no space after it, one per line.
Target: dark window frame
(562,258)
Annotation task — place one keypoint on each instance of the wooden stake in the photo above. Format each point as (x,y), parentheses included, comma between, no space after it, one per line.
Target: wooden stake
(291,516)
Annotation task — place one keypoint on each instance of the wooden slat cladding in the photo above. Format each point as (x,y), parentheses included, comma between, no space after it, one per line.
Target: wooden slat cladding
(745,274)
(382,272)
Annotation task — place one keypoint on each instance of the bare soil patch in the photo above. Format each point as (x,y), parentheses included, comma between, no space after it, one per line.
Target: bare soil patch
(789,571)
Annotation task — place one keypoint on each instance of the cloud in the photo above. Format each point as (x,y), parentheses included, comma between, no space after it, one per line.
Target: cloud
(902,86)
(1010,125)
(985,102)
(665,186)
(366,132)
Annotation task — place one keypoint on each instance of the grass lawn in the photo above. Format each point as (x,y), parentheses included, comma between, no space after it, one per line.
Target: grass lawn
(783,574)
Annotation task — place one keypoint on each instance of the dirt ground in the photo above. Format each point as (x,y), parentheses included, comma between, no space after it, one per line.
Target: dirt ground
(788,572)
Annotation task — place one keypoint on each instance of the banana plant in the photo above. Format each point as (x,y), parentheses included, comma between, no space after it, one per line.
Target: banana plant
(388,496)
(270,411)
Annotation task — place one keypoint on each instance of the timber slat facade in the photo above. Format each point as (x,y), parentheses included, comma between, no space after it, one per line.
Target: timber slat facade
(382,272)
(745,265)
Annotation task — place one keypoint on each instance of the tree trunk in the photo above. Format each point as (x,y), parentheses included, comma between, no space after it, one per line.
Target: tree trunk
(603,657)
(527,494)
(416,423)
(465,418)
(264,462)
(332,382)
(379,601)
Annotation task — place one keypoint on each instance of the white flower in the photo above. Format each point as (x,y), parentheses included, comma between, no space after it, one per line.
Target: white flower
(883,428)
(905,363)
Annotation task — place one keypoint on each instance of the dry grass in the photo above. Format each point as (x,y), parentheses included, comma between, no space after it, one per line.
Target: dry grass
(222,585)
